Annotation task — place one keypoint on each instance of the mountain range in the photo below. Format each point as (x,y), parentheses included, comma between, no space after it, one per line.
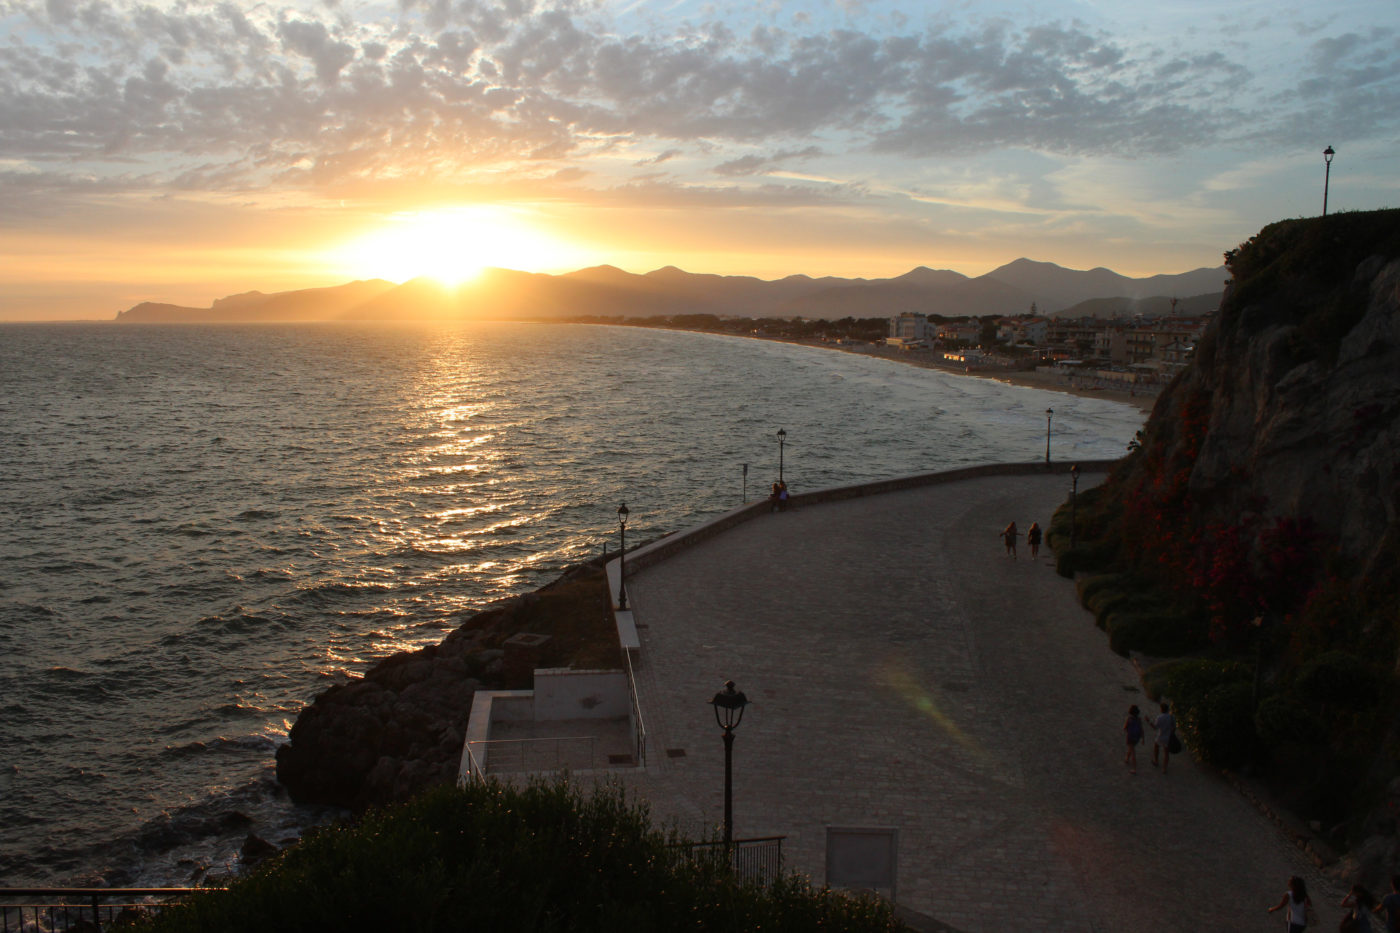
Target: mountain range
(610,292)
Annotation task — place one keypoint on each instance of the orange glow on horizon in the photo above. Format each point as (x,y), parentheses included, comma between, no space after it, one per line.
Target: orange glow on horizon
(452,245)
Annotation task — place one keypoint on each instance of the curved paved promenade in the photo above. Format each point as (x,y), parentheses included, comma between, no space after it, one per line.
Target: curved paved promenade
(904,672)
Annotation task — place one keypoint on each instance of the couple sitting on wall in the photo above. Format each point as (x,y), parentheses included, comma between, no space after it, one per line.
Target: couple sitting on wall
(778,498)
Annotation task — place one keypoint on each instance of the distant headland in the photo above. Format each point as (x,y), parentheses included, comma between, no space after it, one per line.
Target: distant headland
(504,294)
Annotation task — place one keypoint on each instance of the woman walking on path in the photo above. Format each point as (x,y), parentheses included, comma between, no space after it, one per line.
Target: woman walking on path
(1165,724)
(1033,539)
(1297,903)
(1132,731)
(1390,906)
(1009,537)
(1360,903)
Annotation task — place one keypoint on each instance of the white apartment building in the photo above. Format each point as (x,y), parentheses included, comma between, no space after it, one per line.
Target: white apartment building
(910,326)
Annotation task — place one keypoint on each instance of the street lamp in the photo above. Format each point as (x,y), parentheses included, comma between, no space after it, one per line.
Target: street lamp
(782,436)
(1073,502)
(622,558)
(1049,413)
(729,709)
(1327,155)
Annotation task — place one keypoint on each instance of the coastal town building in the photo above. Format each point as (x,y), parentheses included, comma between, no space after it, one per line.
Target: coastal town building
(1122,351)
(1031,332)
(961,331)
(1126,345)
(910,326)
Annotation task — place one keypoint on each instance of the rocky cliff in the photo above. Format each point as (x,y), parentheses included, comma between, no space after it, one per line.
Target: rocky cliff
(400,728)
(1262,502)
(1291,408)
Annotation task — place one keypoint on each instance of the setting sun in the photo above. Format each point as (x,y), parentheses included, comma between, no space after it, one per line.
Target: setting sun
(451,245)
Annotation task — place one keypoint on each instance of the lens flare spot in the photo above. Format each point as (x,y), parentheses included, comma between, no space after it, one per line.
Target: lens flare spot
(903,682)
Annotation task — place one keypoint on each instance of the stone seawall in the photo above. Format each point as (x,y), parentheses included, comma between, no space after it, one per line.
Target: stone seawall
(660,550)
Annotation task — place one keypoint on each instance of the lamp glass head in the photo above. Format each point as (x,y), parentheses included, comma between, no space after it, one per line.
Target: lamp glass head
(729,706)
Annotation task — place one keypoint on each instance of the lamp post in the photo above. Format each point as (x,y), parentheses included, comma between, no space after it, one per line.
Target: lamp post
(1049,413)
(1327,155)
(782,437)
(1073,502)
(622,558)
(729,709)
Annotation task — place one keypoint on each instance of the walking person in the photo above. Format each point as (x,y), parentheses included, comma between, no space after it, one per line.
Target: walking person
(1165,724)
(1389,907)
(1033,539)
(1009,538)
(1297,903)
(1359,903)
(1132,731)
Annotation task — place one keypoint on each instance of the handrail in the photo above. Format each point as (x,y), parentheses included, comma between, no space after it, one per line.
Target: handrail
(83,908)
(758,858)
(493,759)
(100,892)
(639,731)
(474,767)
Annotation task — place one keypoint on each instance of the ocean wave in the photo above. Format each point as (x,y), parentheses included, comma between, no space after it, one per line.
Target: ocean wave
(238,744)
(322,595)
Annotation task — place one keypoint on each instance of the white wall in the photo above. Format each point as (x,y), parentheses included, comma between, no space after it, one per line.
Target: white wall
(561,693)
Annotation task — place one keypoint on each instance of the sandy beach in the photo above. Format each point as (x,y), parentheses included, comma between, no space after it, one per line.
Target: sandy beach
(1142,399)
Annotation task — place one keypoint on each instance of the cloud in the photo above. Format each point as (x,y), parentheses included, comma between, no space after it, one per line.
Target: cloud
(759,164)
(660,157)
(313,40)
(205,95)
(1345,89)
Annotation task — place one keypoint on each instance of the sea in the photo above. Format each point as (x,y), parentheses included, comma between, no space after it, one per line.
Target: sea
(202,527)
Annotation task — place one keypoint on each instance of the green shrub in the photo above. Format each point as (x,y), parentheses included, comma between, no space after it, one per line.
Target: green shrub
(1214,706)
(1155,633)
(1282,719)
(1085,557)
(1338,679)
(1156,679)
(1213,703)
(1189,681)
(1106,603)
(1087,586)
(494,857)
(1221,726)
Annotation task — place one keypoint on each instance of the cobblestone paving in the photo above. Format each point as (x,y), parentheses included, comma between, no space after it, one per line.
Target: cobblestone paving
(904,672)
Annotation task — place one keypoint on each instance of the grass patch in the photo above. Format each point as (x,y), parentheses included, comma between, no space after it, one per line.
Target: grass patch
(576,612)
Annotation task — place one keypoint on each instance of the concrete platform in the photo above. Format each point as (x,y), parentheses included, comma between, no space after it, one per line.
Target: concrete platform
(580,745)
(905,672)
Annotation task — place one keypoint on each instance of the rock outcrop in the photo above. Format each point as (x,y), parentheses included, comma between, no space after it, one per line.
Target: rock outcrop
(1265,493)
(400,728)
(1303,377)
(1291,407)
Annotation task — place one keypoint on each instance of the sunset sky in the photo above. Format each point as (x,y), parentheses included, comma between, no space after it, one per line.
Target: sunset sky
(183,151)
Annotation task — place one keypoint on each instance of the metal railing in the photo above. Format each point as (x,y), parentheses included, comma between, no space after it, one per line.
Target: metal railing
(474,769)
(88,909)
(758,860)
(639,731)
(542,754)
